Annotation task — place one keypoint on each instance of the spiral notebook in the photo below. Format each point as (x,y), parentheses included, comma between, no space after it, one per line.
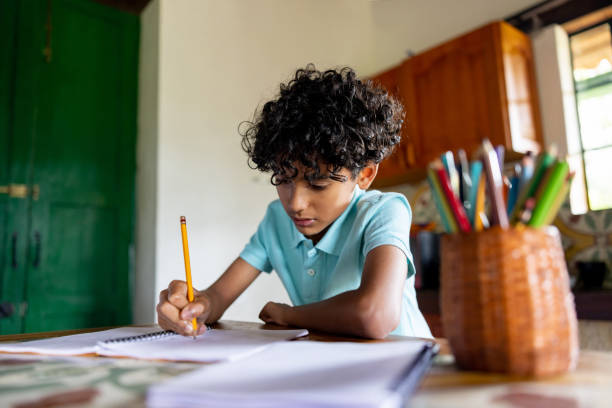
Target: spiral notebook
(153,344)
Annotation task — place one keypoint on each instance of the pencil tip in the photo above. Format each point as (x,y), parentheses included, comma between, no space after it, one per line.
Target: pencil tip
(183,218)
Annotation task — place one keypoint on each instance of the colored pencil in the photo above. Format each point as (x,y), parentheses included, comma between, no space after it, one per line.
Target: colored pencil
(559,200)
(544,182)
(495,184)
(454,204)
(500,152)
(547,198)
(475,174)
(527,163)
(448,161)
(543,162)
(436,192)
(514,188)
(479,205)
(464,175)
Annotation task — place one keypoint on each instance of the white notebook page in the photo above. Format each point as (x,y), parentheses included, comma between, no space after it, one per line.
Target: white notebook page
(213,346)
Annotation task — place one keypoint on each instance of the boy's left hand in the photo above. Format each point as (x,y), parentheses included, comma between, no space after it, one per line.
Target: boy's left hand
(275,313)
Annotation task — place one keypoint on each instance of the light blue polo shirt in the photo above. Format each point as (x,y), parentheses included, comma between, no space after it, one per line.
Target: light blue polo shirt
(315,273)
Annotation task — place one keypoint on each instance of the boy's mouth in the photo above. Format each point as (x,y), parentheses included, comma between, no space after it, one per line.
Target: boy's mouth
(303,222)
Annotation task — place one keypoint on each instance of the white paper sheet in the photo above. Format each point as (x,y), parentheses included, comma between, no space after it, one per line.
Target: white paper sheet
(74,344)
(296,374)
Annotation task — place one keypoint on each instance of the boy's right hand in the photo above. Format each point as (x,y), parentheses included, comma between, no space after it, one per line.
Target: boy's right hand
(174,312)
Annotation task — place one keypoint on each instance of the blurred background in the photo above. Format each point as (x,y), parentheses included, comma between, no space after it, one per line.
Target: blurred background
(117,117)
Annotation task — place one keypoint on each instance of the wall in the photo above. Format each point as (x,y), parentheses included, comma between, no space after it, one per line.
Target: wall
(218,61)
(146,166)
(415,25)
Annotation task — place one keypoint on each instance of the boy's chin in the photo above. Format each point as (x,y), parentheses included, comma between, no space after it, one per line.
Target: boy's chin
(314,234)
(308,232)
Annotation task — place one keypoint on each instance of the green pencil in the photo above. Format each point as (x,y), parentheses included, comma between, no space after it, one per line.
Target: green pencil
(544,204)
(559,200)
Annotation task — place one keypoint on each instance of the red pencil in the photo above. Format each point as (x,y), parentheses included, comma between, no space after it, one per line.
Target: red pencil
(453,201)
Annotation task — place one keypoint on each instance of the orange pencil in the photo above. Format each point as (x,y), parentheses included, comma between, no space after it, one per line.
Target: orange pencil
(480,204)
(188,270)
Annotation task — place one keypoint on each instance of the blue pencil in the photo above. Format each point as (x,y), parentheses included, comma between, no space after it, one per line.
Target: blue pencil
(475,172)
(513,193)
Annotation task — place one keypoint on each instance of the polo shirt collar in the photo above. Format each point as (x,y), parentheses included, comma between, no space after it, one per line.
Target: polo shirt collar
(331,242)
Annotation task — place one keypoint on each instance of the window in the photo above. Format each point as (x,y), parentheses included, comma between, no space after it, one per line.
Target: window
(591,51)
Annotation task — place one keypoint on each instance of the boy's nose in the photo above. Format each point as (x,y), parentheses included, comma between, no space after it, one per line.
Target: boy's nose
(298,200)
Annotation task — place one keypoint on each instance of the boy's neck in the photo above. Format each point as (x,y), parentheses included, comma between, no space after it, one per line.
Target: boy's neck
(317,237)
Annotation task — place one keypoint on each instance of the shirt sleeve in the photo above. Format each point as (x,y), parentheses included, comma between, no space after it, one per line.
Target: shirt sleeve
(390,225)
(255,251)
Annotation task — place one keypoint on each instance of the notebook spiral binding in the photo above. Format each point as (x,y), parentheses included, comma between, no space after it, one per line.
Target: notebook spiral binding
(144,337)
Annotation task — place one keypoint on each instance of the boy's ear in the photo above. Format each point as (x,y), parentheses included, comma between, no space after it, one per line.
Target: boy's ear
(367,175)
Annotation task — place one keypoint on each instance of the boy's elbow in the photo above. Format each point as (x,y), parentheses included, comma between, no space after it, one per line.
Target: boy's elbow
(377,319)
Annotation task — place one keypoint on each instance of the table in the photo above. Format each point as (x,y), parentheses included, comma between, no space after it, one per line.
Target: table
(40,381)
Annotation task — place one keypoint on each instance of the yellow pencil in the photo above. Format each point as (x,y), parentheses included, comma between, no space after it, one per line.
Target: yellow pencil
(188,270)
(480,204)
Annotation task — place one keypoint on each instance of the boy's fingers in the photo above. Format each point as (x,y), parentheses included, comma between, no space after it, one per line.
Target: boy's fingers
(192,310)
(168,311)
(201,328)
(179,326)
(165,322)
(177,293)
(168,318)
(263,315)
(163,296)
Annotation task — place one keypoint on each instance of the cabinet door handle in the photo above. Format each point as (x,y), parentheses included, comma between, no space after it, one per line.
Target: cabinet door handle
(37,246)
(14,251)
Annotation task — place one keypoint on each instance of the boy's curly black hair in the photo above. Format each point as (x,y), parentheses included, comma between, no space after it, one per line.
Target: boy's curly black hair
(331,117)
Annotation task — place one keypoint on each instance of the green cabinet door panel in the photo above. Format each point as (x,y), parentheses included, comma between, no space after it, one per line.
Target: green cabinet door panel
(13,166)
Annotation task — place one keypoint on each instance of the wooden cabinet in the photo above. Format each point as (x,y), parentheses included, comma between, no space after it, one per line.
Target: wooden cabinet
(398,164)
(478,85)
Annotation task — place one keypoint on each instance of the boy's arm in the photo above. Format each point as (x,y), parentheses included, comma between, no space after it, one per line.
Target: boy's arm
(174,311)
(372,311)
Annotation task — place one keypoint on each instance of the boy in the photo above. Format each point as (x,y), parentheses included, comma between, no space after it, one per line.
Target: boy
(342,253)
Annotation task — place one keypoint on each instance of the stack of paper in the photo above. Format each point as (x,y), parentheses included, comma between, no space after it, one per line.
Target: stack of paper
(213,346)
(300,373)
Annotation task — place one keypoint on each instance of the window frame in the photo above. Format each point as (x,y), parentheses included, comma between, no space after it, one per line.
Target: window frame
(576,91)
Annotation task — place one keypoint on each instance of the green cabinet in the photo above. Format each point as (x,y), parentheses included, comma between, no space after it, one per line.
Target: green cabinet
(67,159)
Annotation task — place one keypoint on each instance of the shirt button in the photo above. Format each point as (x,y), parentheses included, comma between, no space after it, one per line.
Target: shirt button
(312,252)
(311,272)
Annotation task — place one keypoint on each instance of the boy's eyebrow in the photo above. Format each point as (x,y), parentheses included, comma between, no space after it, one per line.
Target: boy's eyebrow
(329,176)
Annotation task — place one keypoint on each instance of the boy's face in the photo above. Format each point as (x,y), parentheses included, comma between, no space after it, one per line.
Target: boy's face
(314,205)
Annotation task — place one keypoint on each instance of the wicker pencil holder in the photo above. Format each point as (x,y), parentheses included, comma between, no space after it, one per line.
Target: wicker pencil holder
(506,302)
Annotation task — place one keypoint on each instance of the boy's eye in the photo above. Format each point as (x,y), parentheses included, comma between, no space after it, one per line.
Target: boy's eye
(318,187)
(280,181)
